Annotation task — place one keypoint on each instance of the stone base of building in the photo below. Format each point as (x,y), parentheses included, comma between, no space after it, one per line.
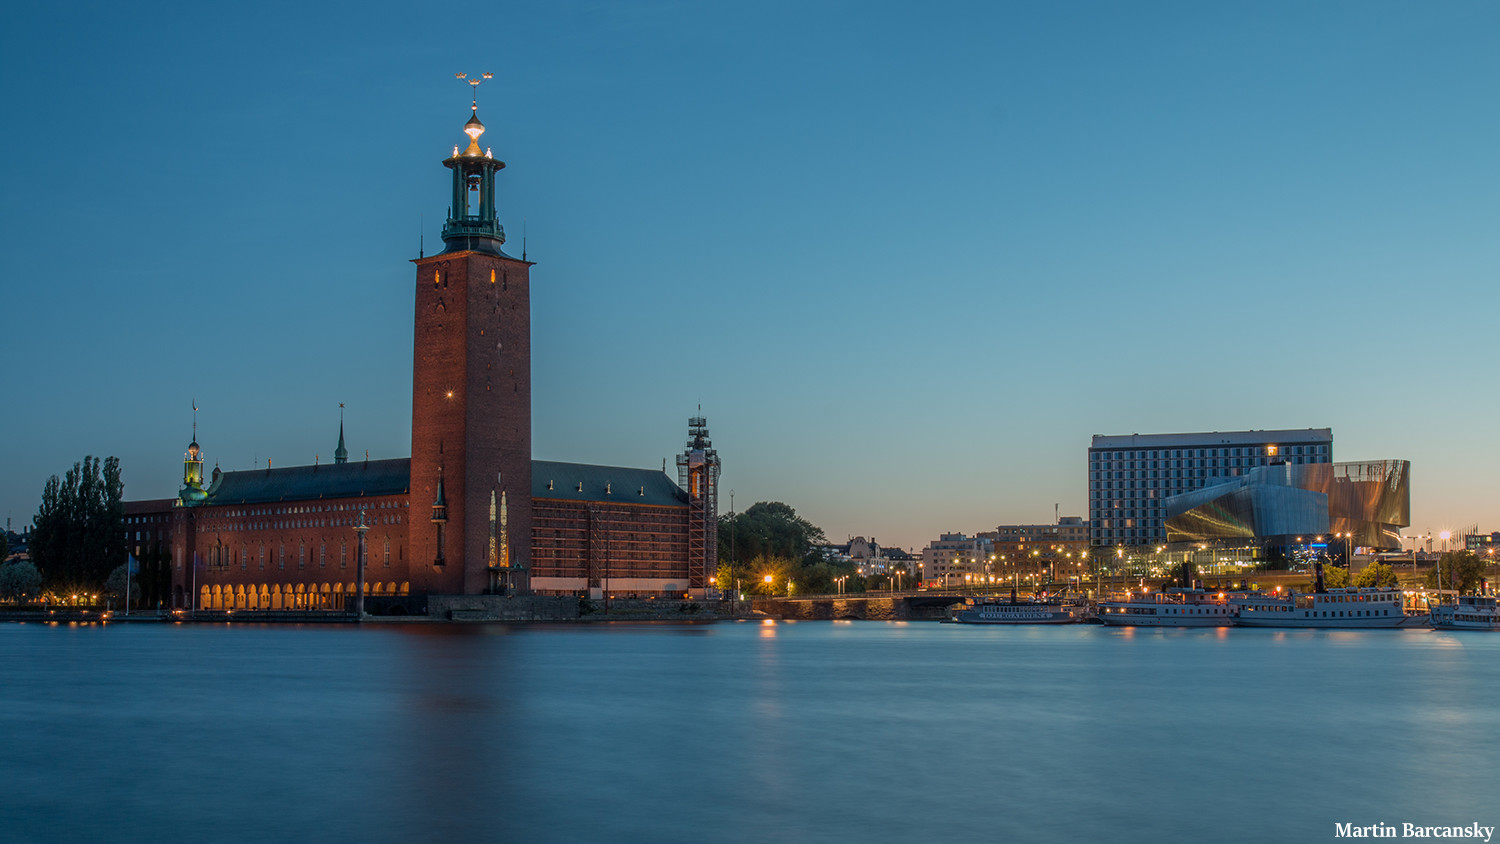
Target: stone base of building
(570,608)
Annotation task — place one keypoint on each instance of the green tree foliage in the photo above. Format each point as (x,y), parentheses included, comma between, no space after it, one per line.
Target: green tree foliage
(1460,570)
(78,534)
(115,585)
(1335,577)
(768,529)
(771,539)
(4,546)
(20,581)
(1376,574)
(1184,573)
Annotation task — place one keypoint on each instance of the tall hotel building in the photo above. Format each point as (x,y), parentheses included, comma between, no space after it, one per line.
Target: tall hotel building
(1131,476)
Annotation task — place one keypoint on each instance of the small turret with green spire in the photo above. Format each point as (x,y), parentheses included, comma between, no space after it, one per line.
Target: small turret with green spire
(192,469)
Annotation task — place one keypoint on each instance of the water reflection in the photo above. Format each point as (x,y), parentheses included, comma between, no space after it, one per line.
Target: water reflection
(735,732)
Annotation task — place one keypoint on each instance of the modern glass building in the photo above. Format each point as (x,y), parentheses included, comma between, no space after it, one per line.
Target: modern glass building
(1132,476)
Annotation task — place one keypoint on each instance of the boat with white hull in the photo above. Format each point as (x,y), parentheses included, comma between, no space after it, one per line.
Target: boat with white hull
(1365,607)
(1472,612)
(1035,611)
(1172,608)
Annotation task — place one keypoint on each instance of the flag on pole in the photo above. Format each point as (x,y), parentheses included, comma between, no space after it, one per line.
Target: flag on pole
(134,565)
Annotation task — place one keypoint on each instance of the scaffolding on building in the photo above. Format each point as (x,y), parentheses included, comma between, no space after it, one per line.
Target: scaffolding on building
(698,475)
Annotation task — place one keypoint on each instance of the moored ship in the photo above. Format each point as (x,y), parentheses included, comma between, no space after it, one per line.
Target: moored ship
(1171,608)
(1032,611)
(1365,607)
(1472,612)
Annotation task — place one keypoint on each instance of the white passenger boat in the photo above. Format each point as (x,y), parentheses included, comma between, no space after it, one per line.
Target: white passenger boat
(1033,611)
(1472,612)
(1364,607)
(1171,608)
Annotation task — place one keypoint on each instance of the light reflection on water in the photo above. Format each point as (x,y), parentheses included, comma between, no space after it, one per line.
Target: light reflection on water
(813,731)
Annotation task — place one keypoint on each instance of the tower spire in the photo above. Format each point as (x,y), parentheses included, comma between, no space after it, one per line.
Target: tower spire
(473,225)
(341,454)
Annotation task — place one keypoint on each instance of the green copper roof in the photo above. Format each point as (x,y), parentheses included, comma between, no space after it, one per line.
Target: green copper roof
(393,477)
(309,483)
(604,484)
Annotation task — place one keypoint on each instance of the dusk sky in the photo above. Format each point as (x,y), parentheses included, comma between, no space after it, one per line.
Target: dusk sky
(908,257)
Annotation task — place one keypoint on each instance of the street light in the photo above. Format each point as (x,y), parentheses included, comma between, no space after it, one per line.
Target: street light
(359,567)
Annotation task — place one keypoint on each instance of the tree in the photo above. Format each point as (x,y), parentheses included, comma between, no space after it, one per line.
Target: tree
(20,581)
(115,585)
(4,546)
(1184,573)
(768,529)
(1460,570)
(780,570)
(1335,577)
(78,534)
(1376,574)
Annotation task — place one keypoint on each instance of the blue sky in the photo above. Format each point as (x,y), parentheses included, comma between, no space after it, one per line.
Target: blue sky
(908,258)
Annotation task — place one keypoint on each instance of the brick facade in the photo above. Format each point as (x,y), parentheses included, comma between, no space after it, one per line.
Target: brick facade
(471,411)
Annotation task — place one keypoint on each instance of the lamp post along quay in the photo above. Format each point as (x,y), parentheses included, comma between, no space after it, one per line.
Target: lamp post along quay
(359,567)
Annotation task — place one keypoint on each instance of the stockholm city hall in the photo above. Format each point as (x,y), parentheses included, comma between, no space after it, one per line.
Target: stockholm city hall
(470,512)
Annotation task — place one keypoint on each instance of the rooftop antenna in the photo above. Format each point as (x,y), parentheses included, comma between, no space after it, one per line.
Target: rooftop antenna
(523,238)
(421,242)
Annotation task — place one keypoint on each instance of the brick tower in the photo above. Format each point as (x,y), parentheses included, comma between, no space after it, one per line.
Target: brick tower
(471,392)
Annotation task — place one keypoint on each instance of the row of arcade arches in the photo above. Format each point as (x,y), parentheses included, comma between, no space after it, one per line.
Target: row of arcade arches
(289,596)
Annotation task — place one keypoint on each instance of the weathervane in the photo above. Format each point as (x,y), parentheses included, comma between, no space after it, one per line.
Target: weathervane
(474,86)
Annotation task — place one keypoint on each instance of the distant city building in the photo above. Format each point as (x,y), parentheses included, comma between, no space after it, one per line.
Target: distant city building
(869,556)
(1070,532)
(953,555)
(1482,542)
(1131,476)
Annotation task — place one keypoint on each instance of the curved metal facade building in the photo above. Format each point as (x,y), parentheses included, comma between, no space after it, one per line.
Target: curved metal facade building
(1371,500)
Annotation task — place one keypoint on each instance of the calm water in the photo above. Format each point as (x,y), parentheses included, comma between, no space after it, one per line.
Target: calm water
(812,731)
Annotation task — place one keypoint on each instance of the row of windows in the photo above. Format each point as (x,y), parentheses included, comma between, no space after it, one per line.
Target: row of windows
(220,556)
(295,524)
(1178,453)
(1131,533)
(1176,467)
(390,504)
(1129,522)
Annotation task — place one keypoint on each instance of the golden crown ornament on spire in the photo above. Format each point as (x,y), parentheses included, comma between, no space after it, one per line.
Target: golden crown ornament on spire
(474,128)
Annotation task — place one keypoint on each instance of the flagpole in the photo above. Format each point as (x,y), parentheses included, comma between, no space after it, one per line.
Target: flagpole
(128,560)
